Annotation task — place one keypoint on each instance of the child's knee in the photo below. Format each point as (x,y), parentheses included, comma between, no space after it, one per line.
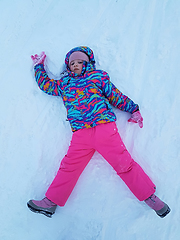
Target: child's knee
(125,164)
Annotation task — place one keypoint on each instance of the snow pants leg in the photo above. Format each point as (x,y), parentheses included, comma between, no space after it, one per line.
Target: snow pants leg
(105,139)
(71,167)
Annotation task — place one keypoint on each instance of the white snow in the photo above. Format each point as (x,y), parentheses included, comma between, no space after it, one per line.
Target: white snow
(138,43)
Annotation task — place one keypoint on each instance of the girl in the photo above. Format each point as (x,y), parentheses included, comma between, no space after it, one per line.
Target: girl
(88,94)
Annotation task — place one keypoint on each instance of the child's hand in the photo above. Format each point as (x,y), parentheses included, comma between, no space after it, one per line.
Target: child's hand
(136,118)
(39,59)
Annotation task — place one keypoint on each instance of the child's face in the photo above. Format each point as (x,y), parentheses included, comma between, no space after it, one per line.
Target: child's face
(76,66)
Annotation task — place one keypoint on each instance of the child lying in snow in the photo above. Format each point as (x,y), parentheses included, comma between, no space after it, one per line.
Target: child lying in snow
(88,94)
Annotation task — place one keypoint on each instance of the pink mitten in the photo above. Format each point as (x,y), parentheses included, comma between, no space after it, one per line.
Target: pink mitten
(136,118)
(38,59)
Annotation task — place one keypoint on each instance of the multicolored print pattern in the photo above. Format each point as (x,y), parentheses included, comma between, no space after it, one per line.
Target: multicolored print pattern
(88,97)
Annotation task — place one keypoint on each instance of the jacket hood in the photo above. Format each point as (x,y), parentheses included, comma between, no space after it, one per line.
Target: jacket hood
(87,66)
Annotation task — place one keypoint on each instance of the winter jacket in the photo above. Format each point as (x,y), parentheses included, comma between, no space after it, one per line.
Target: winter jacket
(87,97)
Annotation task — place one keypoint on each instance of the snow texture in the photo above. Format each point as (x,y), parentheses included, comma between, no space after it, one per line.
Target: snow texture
(138,43)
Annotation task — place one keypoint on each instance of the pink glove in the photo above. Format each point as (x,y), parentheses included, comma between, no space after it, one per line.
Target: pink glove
(136,118)
(38,59)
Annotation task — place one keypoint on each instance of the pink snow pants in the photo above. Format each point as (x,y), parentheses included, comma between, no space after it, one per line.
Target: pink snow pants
(105,139)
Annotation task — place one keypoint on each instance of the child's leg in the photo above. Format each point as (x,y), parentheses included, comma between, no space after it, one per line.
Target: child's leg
(111,147)
(72,165)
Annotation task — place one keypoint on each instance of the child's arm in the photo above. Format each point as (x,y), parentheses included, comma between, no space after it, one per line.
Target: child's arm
(46,84)
(121,101)
(116,98)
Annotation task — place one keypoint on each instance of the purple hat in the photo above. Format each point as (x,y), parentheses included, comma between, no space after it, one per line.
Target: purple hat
(78,55)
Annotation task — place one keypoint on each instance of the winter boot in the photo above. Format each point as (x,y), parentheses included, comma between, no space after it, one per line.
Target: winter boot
(45,206)
(161,208)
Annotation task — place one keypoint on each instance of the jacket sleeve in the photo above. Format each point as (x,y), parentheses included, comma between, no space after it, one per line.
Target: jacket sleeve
(115,97)
(47,85)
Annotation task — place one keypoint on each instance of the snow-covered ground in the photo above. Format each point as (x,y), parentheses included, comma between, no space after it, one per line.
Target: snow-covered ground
(138,43)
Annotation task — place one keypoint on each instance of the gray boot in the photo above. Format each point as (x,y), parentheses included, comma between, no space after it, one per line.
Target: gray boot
(161,208)
(44,206)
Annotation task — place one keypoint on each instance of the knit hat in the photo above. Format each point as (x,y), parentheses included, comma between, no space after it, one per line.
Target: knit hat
(78,55)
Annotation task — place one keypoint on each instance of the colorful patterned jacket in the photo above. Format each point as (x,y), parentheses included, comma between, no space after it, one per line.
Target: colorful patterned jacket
(87,97)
